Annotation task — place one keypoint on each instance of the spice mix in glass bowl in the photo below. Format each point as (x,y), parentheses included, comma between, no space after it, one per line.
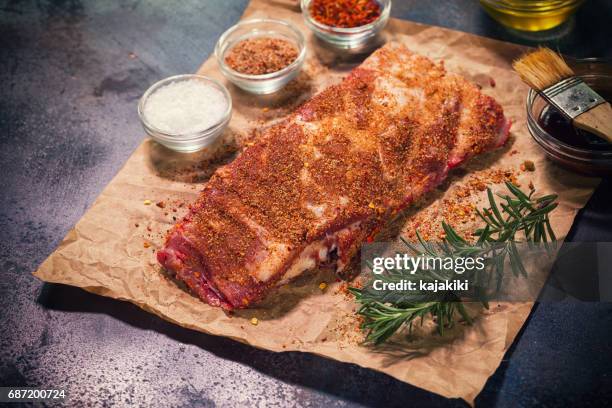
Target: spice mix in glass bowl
(346,24)
(261,56)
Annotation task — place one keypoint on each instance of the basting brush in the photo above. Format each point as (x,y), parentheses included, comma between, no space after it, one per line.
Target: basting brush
(546,72)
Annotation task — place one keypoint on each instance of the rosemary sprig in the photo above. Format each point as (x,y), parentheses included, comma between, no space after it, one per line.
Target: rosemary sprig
(517,215)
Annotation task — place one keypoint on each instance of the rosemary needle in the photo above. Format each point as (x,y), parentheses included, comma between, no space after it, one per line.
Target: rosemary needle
(508,218)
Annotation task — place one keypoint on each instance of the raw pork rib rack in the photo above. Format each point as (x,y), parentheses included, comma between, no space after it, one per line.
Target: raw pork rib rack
(317,185)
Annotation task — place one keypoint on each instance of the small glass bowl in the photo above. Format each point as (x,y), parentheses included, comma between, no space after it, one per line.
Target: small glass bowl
(597,73)
(266,83)
(347,38)
(185,142)
(529,15)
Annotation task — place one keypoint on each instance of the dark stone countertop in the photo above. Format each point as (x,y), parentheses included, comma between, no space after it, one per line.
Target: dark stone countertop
(69,86)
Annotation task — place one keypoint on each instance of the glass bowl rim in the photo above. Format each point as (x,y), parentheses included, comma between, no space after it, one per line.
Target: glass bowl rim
(542,136)
(186,137)
(301,43)
(384,15)
(509,7)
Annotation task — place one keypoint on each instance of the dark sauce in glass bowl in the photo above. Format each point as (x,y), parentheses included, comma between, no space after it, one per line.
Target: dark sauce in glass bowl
(573,149)
(561,128)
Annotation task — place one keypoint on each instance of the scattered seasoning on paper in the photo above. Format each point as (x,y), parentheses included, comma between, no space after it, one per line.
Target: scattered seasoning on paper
(345,13)
(528,165)
(261,55)
(254,321)
(457,208)
(185,107)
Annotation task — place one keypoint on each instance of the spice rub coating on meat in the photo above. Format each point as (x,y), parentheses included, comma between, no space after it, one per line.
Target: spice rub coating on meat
(320,183)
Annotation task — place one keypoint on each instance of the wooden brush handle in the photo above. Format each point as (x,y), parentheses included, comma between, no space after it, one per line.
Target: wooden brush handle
(597,121)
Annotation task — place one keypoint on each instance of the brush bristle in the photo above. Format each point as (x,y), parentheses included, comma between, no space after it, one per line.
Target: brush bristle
(542,68)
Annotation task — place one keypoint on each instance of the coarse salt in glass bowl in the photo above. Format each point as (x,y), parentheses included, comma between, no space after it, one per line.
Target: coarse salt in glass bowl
(193,119)
(353,38)
(264,83)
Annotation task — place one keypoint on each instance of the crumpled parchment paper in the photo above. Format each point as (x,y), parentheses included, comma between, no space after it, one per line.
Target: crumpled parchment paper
(106,251)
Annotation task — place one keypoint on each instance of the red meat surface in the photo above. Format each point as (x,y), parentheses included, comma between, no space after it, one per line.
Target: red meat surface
(313,188)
